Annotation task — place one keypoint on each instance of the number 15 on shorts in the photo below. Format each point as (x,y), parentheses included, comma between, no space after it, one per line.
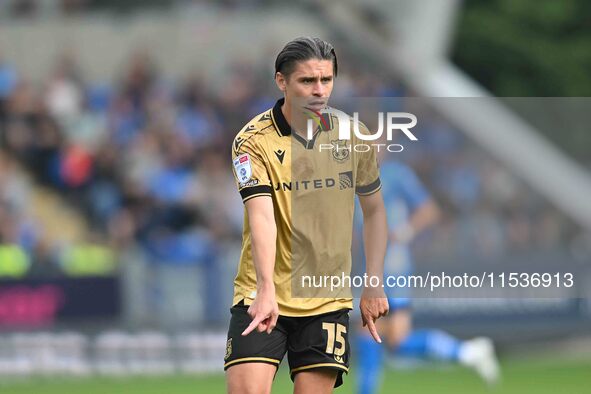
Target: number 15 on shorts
(335,333)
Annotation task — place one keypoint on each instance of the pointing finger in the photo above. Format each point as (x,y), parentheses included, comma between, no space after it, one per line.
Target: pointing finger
(373,331)
(253,324)
(272,323)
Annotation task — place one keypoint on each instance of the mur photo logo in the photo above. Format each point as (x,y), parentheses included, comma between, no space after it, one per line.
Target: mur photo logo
(389,122)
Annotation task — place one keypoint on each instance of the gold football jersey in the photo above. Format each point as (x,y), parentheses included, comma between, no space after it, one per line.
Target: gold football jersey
(312,184)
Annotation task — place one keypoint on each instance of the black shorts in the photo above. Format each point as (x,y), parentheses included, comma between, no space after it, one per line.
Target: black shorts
(311,342)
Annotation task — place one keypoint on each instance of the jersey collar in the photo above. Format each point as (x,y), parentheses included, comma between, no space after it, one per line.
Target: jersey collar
(281,125)
(284,129)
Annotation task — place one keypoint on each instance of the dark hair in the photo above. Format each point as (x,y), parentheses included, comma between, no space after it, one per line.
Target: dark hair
(301,49)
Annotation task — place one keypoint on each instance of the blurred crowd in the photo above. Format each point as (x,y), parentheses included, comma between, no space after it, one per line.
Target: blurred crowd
(145,160)
(486,211)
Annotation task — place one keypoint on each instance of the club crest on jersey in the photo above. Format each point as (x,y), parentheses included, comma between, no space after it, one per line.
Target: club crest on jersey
(243,168)
(340,151)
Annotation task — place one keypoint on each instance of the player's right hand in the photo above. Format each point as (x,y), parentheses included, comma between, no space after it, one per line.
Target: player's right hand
(264,311)
(373,305)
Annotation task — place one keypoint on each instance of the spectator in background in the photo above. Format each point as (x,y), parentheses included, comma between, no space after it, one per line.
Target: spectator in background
(128,115)
(214,193)
(64,92)
(8,81)
(72,7)
(140,80)
(411,211)
(24,8)
(198,121)
(22,243)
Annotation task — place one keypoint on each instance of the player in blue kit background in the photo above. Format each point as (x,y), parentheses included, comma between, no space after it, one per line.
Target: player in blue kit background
(410,210)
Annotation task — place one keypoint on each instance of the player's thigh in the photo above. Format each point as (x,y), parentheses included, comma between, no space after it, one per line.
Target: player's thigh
(251,361)
(320,343)
(321,381)
(250,378)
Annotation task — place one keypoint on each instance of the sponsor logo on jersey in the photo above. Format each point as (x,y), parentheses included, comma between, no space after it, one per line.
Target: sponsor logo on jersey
(280,155)
(345,180)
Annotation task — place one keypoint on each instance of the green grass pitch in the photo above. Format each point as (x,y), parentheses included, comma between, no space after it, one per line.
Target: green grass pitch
(537,376)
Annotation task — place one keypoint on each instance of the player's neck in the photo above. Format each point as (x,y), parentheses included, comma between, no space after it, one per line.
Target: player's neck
(297,124)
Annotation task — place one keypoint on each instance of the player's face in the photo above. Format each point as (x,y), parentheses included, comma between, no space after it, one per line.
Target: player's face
(311,83)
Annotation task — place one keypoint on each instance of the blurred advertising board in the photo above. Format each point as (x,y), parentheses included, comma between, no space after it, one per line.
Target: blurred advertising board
(37,303)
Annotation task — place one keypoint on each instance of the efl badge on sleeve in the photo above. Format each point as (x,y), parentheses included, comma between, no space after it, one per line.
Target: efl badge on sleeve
(243,168)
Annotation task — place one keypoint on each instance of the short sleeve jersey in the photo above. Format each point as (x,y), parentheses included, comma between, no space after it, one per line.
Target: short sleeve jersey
(312,184)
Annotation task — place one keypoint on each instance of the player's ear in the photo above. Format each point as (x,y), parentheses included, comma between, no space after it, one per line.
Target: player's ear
(281,81)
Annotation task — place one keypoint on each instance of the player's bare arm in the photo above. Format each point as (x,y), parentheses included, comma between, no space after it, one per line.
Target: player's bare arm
(373,303)
(264,310)
(425,216)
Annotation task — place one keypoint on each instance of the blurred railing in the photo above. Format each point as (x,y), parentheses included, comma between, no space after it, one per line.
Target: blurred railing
(113,353)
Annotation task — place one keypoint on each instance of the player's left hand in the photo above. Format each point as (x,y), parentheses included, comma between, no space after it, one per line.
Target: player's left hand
(373,305)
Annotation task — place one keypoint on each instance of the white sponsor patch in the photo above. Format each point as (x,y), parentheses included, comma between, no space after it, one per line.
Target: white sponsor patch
(243,168)
(252,182)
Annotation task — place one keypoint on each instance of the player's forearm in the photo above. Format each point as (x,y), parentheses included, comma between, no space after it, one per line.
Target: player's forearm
(263,240)
(424,217)
(375,239)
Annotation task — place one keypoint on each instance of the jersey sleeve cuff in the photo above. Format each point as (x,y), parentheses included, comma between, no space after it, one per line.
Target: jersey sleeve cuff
(369,189)
(255,191)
